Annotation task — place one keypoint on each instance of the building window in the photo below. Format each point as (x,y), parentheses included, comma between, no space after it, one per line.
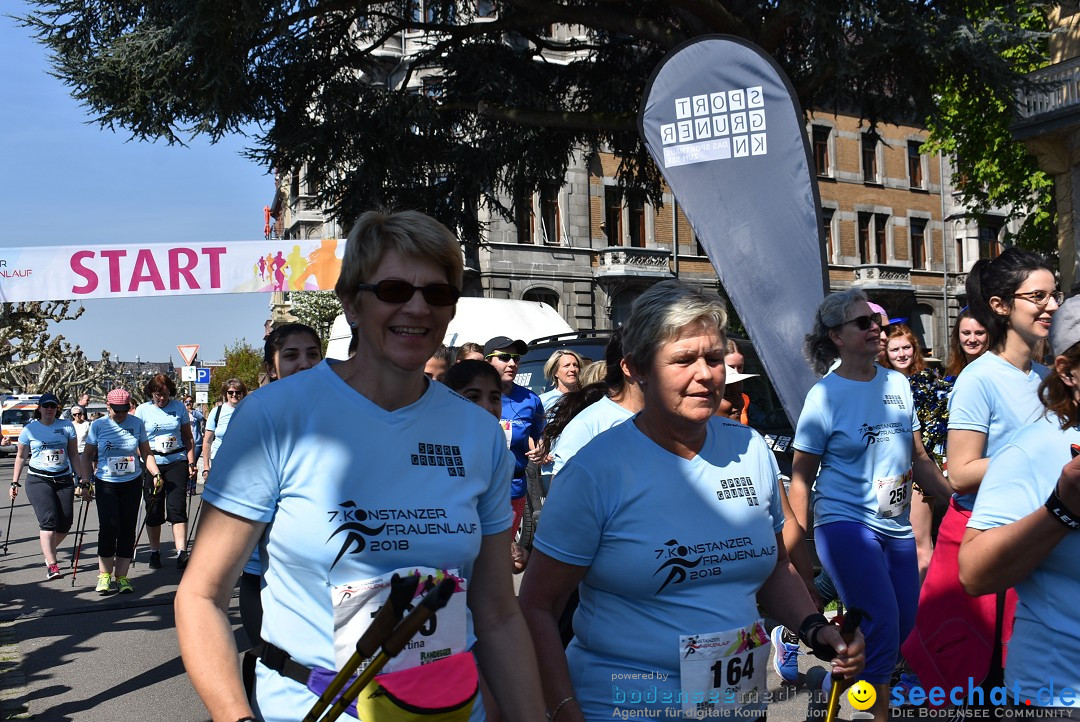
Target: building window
(613,215)
(864,236)
(915,165)
(873,235)
(918,242)
(549,213)
(960,254)
(542,295)
(621,305)
(821,149)
(827,233)
(881,250)
(869,158)
(311,184)
(637,220)
(294,186)
(523,218)
(989,235)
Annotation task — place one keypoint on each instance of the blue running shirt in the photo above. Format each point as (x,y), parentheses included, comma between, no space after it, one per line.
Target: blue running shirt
(117,447)
(163,429)
(49,445)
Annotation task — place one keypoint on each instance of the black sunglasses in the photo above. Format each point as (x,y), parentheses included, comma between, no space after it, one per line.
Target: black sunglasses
(49,406)
(865,322)
(234,392)
(399,292)
(504,357)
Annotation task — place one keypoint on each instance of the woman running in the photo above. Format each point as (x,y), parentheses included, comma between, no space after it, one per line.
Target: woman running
(233,392)
(117,447)
(48,447)
(351,473)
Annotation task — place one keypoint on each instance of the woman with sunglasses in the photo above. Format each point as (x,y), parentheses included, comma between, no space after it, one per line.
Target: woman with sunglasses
(233,392)
(352,472)
(117,448)
(47,447)
(857,449)
(1014,297)
(168,426)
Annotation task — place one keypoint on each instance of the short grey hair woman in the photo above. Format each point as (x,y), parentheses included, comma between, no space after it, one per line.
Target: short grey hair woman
(651,494)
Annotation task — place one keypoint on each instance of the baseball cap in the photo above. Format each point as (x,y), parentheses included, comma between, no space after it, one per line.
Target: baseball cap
(1065,325)
(48,398)
(118,397)
(504,343)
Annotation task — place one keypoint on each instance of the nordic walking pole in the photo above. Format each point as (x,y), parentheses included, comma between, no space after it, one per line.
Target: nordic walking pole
(191,527)
(78,527)
(847,630)
(11,510)
(389,615)
(418,617)
(79,536)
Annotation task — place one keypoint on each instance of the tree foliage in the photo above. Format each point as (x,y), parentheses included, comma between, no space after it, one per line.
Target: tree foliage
(242,361)
(33,360)
(317,309)
(327,88)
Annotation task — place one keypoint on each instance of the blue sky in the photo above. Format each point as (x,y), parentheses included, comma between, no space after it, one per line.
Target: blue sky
(66,182)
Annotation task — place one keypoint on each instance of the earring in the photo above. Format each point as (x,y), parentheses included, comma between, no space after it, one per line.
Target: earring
(352,324)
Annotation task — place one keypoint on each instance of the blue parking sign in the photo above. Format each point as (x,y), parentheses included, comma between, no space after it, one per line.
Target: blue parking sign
(202,375)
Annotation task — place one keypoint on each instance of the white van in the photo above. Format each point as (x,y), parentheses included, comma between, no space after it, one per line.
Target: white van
(477,320)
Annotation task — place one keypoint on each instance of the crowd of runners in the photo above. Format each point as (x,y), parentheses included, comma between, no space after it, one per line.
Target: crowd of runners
(939,503)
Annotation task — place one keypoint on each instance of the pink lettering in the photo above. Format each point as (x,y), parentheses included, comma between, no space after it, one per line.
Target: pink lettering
(215,264)
(114,268)
(77,266)
(145,270)
(183,268)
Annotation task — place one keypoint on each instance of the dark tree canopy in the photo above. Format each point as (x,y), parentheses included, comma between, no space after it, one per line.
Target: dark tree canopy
(323,81)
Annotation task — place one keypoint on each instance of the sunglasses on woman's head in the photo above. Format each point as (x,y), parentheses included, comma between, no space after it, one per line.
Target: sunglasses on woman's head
(863,323)
(399,292)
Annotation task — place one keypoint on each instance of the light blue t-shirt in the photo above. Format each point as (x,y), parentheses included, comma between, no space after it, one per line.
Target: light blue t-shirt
(548,399)
(996,398)
(674,547)
(585,427)
(117,447)
(1045,643)
(218,422)
(350,492)
(862,430)
(49,446)
(163,429)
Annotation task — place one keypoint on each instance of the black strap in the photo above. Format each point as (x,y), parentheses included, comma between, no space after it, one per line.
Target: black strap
(995,676)
(279,660)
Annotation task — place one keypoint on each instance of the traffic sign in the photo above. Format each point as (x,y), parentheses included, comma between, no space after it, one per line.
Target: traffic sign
(202,397)
(213,363)
(187,373)
(202,375)
(202,387)
(188,351)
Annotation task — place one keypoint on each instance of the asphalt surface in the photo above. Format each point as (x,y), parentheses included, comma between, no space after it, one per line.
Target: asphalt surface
(67,653)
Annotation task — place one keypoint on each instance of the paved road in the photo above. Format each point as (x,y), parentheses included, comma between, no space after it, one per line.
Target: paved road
(68,654)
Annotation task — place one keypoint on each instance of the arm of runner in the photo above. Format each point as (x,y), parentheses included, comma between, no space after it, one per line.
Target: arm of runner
(206,638)
(503,648)
(148,459)
(189,447)
(967,460)
(208,442)
(89,461)
(803,472)
(925,472)
(784,596)
(545,590)
(21,451)
(795,544)
(993,560)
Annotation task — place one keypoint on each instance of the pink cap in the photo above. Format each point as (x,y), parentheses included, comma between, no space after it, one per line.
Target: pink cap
(878,309)
(118,397)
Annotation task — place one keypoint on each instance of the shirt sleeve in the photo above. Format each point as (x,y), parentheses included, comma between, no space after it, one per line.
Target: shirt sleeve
(1008,491)
(142,436)
(91,434)
(573,517)
(812,431)
(969,405)
(24,437)
(776,507)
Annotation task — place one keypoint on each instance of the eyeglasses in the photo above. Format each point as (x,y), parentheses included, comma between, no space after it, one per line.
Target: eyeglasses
(77,413)
(49,406)
(1041,298)
(234,392)
(504,357)
(399,292)
(865,322)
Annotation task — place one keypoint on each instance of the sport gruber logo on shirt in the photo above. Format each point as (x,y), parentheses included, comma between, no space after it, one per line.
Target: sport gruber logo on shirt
(446,456)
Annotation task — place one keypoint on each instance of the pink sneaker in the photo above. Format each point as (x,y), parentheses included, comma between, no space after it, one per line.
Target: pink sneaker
(54,571)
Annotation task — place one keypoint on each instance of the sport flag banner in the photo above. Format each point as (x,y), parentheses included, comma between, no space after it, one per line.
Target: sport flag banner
(57,273)
(721,121)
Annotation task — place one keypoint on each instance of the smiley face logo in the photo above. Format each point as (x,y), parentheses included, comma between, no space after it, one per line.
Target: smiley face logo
(862,695)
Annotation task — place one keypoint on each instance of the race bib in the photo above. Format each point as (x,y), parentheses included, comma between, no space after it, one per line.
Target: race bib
(166,444)
(723,670)
(893,494)
(54,458)
(508,429)
(357,603)
(120,465)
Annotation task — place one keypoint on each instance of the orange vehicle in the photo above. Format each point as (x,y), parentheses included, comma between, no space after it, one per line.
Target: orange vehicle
(17,411)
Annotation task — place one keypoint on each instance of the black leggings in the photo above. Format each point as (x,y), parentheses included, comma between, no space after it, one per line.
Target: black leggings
(118,512)
(53,498)
(172,498)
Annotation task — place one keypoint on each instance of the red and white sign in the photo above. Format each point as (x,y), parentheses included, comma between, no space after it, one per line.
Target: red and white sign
(188,351)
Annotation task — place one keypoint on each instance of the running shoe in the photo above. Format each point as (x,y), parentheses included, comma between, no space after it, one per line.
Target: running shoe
(124,585)
(155,559)
(105,583)
(907,682)
(182,559)
(54,571)
(786,657)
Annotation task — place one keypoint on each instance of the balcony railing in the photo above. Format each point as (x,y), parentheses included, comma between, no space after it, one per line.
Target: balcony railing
(878,275)
(1054,88)
(624,261)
